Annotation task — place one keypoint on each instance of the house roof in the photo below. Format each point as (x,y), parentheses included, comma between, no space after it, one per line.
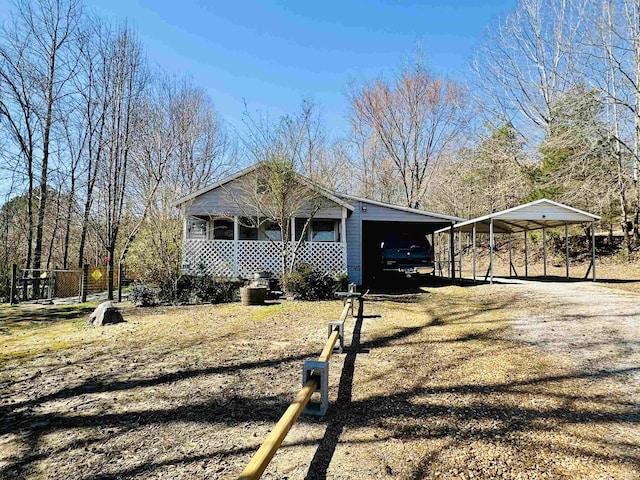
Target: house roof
(344,200)
(401,208)
(312,185)
(539,214)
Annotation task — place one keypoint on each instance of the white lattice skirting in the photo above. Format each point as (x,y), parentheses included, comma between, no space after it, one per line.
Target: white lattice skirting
(227,258)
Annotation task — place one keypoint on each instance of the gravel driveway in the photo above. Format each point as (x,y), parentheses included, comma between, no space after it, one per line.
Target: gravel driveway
(592,325)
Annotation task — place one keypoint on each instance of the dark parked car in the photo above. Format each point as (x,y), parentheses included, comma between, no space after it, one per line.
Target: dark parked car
(406,253)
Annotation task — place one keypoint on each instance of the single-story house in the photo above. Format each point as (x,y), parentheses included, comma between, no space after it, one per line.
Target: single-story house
(344,234)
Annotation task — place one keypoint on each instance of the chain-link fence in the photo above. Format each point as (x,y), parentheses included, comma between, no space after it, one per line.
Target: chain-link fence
(38,284)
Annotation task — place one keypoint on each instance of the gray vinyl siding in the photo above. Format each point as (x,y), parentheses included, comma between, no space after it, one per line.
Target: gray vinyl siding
(354,245)
(386,214)
(226,200)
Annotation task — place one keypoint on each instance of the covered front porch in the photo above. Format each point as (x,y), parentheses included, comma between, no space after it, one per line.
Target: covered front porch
(231,247)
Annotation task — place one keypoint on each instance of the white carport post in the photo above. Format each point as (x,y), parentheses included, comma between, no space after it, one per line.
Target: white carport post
(593,248)
(510,256)
(436,255)
(566,249)
(452,252)
(474,252)
(544,251)
(491,252)
(526,254)
(460,254)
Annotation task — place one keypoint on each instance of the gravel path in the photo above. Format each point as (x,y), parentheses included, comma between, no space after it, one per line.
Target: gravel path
(596,327)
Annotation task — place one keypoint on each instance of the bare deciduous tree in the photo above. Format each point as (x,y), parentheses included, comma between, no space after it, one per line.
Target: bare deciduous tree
(410,123)
(276,192)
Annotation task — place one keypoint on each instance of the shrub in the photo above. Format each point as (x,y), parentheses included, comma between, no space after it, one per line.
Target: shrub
(199,289)
(342,282)
(307,283)
(142,295)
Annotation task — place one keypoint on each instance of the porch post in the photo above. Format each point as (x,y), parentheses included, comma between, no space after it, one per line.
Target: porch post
(566,248)
(185,227)
(292,227)
(343,226)
(474,252)
(343,236)
(236,246)
(491,252)
(544,251)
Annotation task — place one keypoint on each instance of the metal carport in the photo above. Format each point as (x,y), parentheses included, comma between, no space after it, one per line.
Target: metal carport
(540,214)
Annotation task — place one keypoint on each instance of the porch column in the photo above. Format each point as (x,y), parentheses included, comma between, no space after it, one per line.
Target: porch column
(474,252)
(491,252)
(343,226)
(343,236)
(185,227)
(236,246)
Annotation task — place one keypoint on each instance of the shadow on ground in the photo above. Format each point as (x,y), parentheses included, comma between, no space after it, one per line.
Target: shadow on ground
(495,412)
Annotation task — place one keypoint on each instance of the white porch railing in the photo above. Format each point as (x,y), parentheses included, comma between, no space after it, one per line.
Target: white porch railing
(242,258)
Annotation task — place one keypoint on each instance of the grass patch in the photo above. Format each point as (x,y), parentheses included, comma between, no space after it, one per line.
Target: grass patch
(34,315)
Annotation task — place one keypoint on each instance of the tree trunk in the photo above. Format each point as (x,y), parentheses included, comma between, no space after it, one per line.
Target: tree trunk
(30,223)
(54,232)
(111,251)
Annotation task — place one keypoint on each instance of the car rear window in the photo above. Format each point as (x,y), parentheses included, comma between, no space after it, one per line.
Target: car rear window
(404,241)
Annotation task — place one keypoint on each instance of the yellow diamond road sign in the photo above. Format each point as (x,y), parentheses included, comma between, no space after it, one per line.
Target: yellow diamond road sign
(97,274)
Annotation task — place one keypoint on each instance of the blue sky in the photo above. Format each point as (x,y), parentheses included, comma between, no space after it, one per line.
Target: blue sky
(272,53)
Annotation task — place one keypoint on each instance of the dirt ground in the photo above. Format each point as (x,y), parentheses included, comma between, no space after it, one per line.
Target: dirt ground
(519,381)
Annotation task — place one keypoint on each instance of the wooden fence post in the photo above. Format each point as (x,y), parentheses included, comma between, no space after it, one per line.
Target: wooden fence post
(85,283)
(13,292)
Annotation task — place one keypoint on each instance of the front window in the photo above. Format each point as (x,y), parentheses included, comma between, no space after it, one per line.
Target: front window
(222,229)
(272,231)
(300,223)
(196,228)
(246,231)
(323,231)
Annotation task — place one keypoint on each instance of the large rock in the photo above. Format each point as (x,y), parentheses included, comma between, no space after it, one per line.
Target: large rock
(105,314)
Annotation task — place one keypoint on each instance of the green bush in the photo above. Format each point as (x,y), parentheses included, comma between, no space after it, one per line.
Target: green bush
(307,283)
(142,295)
(199,289)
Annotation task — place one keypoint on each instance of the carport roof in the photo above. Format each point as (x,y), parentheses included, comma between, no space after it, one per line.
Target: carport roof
(542,213)
(438,216)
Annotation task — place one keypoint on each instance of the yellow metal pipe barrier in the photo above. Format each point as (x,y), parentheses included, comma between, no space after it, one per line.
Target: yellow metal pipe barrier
(258,463)
(328,347)
(267,450)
